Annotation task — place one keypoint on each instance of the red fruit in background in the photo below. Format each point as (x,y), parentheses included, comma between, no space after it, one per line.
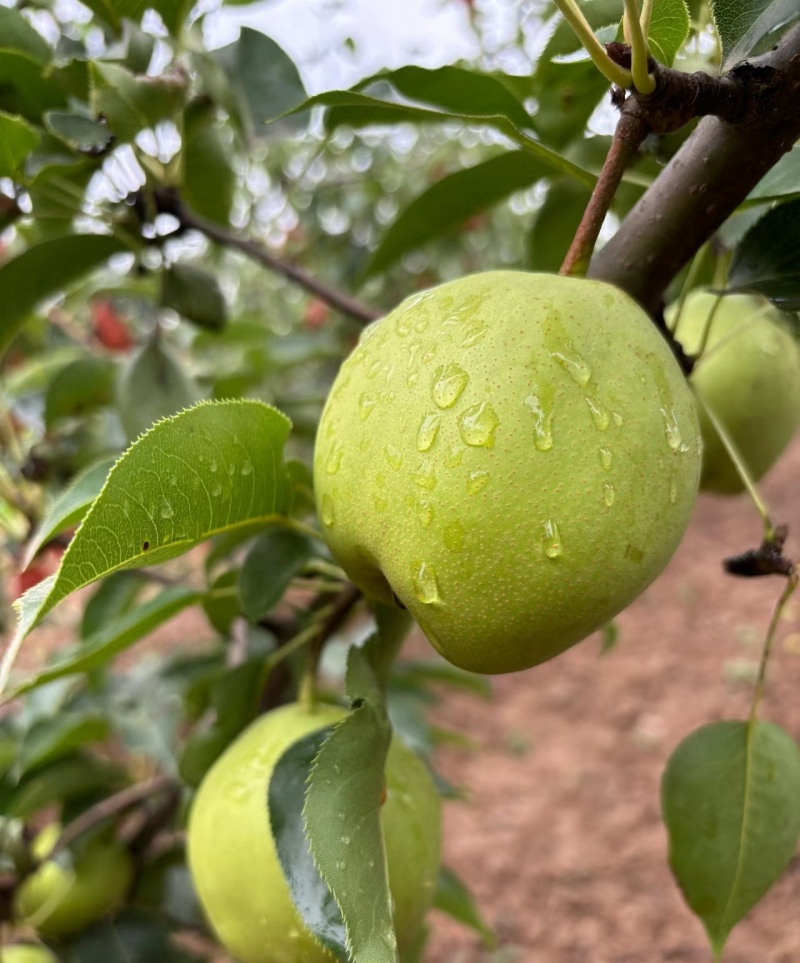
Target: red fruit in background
(109,328)
(317,314)
(46,563)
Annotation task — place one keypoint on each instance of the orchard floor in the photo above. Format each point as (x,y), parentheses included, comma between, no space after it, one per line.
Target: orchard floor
(562,841)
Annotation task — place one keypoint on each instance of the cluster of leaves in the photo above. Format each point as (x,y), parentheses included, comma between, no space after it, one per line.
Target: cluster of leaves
(115,316)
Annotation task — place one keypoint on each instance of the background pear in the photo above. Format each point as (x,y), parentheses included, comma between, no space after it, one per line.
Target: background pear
(749,376)
(232,853)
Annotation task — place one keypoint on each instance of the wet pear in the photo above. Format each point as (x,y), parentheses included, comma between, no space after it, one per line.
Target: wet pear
(750,378)
(514,457)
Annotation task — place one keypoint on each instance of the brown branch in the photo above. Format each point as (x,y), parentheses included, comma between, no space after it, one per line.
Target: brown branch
(111,806)
(168,202)
(628,138)
(709,177)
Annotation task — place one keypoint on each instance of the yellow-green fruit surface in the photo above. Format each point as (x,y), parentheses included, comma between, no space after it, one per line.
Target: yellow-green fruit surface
(750,380)
(515,456)
(234,862)
(59,901)
(26,953)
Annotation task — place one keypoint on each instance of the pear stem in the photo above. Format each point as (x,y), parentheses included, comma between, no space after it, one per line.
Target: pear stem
(628,137)
(611,71)
(643,81)
(780,605)
(739,464)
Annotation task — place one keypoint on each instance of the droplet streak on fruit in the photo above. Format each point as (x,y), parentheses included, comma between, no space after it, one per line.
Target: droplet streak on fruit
(600,416)
(366,405)
(606,455)
(453,535)
(449,383)
(393,457)
(477,425)
(454,456)
(424,476)
(328,511)
(541,404)
(551,539)
(673,487)
(609,494)
(573,364)
(334,462)
(672,429)
(424,582)
(477,480)
(428,430)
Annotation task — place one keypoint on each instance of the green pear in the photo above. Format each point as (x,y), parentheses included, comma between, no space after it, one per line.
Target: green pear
(26,953)
(234,861)
(749,376)
(514,457)
(60,901)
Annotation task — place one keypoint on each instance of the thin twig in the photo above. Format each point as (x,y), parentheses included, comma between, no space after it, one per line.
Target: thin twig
(110,806)
(169,202)
(631,132)
(786,594)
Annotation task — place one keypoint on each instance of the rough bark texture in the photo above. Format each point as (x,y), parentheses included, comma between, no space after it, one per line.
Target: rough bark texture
(707,179)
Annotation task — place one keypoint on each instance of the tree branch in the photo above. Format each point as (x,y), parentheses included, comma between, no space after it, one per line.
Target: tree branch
(168,202)
(708,178)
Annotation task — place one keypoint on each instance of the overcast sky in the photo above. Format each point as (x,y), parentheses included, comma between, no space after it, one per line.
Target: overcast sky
(385,33)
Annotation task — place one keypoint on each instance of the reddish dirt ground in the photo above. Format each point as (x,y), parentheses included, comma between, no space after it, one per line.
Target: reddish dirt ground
(562,841)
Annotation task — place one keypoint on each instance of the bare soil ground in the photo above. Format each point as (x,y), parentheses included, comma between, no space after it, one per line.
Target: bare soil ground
(562,841)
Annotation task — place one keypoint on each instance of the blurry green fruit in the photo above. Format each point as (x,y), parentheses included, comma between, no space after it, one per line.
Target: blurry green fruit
(59,901)
(514,456)
(232,853)
(750,378)
(26,953)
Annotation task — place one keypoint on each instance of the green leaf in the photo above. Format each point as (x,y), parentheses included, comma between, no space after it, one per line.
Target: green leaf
(130,104)
(730,802)
(57,192)
(70,506)
(457,91)
(195,295)
(355,109)
(349,851)
(49,739)
(112,598)
(113,638)
(44,270)
(215,468)
(132,936)
(310,894)
(767,259)
(669,28)
(208,178)
(781,182)
(63,781)
(555,223)
(453,200)
(173,13)
(453,898)
(17,139)
(265,80)
(27,87)
(270,566)
(79,131)
(78,388)
(222,604)
(154,385)
(567,93)
(16,33)
(741,24)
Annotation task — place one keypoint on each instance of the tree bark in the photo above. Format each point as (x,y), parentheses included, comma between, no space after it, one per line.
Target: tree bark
(709,177)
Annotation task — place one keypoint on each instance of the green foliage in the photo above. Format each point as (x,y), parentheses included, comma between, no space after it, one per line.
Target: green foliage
(729,796)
